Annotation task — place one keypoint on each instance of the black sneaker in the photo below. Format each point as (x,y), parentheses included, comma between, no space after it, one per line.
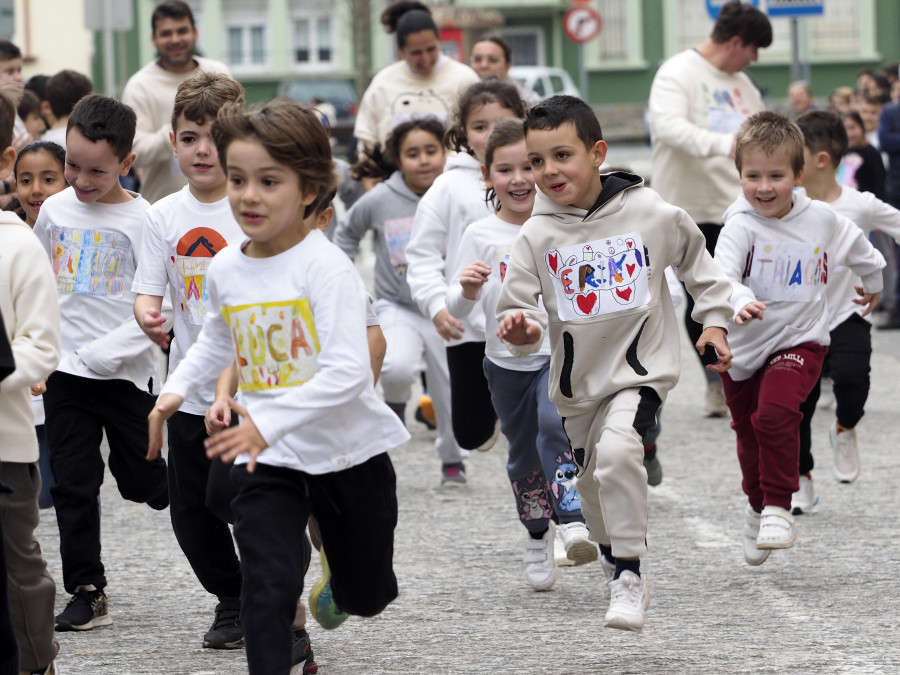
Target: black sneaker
(226,631)
(87,609)
(301,652)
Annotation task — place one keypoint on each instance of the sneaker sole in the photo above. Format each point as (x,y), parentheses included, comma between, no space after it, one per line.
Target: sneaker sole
(582,552)
(775,545)
(224,645)
(453,484)
(756,562)
(93,623)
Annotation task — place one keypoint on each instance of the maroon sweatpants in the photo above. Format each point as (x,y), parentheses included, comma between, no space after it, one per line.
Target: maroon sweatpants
(765,413)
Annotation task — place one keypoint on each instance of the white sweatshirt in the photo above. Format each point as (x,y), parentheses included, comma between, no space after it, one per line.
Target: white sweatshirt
(93,249)
(786,263)
(695,111)
(490,240)
(297,324)
(31,317)
(452,203)
(181,236)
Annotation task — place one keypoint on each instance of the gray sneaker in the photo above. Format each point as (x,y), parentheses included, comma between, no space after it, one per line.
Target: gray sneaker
(654,470)
(453,475)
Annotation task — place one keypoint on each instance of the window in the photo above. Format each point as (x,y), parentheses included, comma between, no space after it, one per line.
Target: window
(312,41)
(245,34)
(620,43)
(526,45)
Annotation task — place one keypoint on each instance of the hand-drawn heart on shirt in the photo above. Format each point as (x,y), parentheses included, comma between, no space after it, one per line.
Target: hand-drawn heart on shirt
(586,302)
(624,293)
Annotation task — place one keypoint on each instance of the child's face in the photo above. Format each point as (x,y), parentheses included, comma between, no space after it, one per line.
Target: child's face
(197,156)
(11,72)
(513,180)
(564,169)
(38,176)
(35,124)
(480,123)
(92,169)
(856,135)
(267,199)
(768,182)
(870,113)
(421,160)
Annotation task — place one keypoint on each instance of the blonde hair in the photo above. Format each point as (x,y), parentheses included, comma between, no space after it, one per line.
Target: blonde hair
(770,132)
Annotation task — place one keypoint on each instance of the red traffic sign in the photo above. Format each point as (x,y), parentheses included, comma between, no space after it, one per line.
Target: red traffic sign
(582,24)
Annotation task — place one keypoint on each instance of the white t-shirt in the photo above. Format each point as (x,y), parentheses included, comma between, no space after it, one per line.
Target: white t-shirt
(296,324)
(181,236)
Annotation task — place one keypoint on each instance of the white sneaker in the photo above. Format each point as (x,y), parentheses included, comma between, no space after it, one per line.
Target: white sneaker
(559,550)
(752,555)
(609,570)
(715,401)
(489,443)
(776,528)
(805,499)
(629,599)
(826,393)
(579,548)
(846,454)
(540,569)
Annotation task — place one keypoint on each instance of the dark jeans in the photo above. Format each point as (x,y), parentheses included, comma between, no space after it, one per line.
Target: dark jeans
(695,330)
(848,360)
(78,411)
(474,419)
(203,535)
(9,648)
(356,510)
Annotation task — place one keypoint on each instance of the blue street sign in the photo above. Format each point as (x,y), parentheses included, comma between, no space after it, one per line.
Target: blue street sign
(713,7)
(793,8)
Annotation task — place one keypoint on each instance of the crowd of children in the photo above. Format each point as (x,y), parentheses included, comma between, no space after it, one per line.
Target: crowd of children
(527,283)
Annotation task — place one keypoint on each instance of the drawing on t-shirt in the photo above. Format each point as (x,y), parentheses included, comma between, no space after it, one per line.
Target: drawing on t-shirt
(193,253)
(501,259)
(396,237)
(89,262)
(275,344)
(786,271)
(846,171)
(599,277)
(725,110)
(413,105)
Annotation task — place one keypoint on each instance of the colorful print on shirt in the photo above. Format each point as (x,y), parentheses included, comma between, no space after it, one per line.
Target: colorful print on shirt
(397,232)
(725,110)
(275,344)
(501,259)
(599,277)
(789,272)
(89,262)
(193,253)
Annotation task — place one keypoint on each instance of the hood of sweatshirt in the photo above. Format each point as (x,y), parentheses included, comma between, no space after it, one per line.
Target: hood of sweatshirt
(398,187)
(462,160)
(610,199)
(741,206)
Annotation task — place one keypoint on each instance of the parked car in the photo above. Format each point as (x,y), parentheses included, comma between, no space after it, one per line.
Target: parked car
(336,100)
(545,81)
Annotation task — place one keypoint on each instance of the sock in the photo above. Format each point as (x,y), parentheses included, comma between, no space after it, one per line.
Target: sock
(606,551)
(650,452)
(538,535)
(630,565)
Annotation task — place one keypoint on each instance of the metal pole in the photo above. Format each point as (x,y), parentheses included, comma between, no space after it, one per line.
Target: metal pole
(795,51)
(109,60)
(582,74)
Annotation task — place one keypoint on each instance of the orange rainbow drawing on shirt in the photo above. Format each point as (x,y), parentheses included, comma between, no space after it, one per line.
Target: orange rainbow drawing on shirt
(194,251)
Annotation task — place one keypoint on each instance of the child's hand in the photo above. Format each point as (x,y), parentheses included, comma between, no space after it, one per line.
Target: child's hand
(870,299)
(237,440)
(217,417)
(165,407)
(447,326)
(752,310)
(515,329)
(717,338)
(39,388)
(473,278)
(152,322)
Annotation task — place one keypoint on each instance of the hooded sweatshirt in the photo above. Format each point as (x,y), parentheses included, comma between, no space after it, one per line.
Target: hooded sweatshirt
(388,210)
(785,263)
(452,203)
(601,276)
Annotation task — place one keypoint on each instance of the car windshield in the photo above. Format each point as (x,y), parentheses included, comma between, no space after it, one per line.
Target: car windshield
(336,92)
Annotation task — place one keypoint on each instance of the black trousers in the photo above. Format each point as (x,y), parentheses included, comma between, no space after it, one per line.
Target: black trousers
(471,408)
(695,330)
(848,359)
(356,510)
(203,535)
(78,411)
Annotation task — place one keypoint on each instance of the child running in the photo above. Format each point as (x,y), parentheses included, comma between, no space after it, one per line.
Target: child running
(105,379)
(39,172)
(540,466)
(443,214)
(415,149)
(594,252)
(289,308)
(848,355)
(779,249)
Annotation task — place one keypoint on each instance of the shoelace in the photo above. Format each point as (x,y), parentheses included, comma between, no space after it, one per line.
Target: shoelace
(627,591)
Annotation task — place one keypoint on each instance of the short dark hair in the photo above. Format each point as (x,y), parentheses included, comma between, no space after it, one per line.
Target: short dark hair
(744,21)
(100,118)
(28,104)
(38,84)
(406,17)
(171,9)
(65,89)
(824,130)
(202,96)
(8,95)
(8,51)
(769,132)
(555,111)
(491,90)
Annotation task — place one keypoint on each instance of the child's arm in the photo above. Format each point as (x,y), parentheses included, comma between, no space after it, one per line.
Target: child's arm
(377,349)
(464,291)
(352,228)
(218,416)
(852,249)
(716,337)
(732,249)
(148,312)
(521,318)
